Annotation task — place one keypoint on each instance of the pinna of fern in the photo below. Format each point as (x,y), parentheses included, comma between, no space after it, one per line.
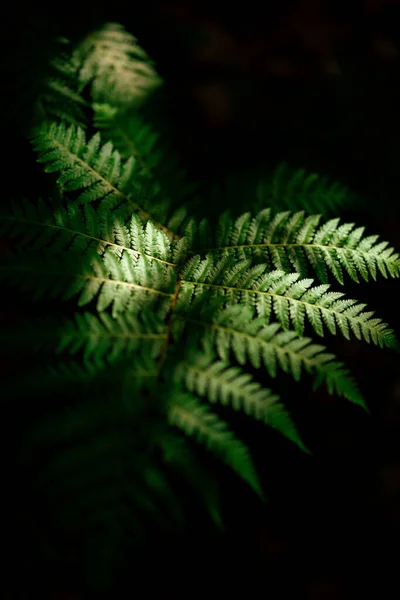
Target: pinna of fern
(117,69)
(92,172)
(287,240)
(282,188)
(107,67)
(296,189)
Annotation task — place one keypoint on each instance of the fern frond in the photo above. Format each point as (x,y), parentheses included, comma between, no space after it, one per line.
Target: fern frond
(177,453)
(198,421)
(158,168)
(120,369)
(235,329)
(62,102)
(217,381)
(118,70)
(124,283)
(58,96)
(83,165)
(284,188)
(285,241)
(95,171)
(175,310)
(105,337)
(291,300)
(73,228)
(296,189)
(104,116)
(130,134)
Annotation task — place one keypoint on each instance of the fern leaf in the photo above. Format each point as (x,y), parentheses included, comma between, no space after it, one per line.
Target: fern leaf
(104,337)
(174,310)
(123,283)
(287,241)
(218,381)
(296,189)
(80,228)
(198,421)
(81,164)
(293,301)
(234,329)
(96,172)
(118,70)
(58,97)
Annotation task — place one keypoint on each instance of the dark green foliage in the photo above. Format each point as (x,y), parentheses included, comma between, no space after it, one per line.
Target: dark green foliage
(295,189)
(183,318)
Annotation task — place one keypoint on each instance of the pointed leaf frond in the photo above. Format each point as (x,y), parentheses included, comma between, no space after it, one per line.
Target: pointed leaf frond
(287,241)
(95,171)
(62,228)
(125,283)
(296,189)
(234,329)
(219,382)
(58,98)
(101,336)
(198,421)
(284,296)
(118,70)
